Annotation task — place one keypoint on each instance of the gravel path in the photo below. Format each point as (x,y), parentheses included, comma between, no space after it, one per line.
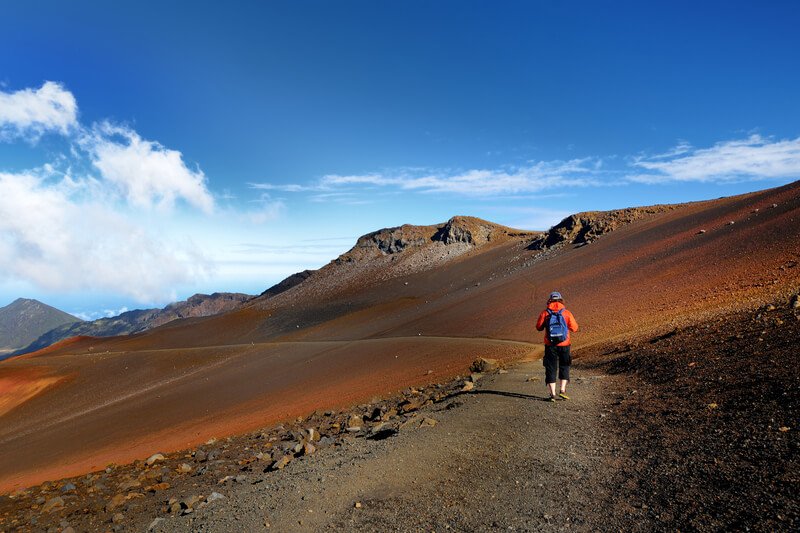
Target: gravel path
(500,457)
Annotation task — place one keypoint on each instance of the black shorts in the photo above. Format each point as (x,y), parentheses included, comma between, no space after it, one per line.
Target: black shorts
(556,361)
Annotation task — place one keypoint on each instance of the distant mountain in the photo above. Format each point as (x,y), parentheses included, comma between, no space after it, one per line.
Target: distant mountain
(23,321)
(140,319)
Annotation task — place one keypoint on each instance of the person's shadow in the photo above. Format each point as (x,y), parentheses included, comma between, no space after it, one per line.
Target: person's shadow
(505,393)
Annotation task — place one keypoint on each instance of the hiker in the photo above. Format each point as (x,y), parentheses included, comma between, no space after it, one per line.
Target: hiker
(558,322)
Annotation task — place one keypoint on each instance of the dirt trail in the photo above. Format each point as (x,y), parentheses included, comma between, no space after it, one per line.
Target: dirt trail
(500,457)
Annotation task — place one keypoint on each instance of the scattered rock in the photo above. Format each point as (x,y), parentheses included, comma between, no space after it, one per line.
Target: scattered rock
(214,497)
(796,301)
(731,222)
(53,504)
(428,422)
(410,404)
(468,386)
(153,459)
(382,431)
(357,505)
(183,468)
(412,422)
(484,365)
(115,502)
(308,448)
(158,487)
(190,502)
(118,518)
(701,232)
(281,463)
(69,487)
(130,484)
(155,523)
(355,423)
(200,456)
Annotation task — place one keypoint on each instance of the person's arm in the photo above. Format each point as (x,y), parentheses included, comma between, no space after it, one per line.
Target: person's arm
(572,324)
(540,322)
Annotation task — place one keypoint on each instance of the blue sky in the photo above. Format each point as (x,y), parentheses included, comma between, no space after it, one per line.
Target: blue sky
(151,151)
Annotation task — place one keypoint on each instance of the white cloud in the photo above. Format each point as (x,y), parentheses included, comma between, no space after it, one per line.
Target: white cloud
(59,234)
(105,313)
(754,158)
(534,177)
(147,173)
(30,113)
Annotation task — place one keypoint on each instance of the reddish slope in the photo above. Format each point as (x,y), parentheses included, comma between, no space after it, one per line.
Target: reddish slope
(365,327)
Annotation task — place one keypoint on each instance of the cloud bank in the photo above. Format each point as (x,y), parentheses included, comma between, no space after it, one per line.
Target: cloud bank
(66,232)
(59,236)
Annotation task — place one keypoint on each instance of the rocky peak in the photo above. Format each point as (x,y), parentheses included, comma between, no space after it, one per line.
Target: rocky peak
(458,230)
(583,228)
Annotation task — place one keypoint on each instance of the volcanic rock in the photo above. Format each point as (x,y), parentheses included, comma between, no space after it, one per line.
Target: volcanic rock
(53,504)
(428,422)
(281,463)
(154,458)
(483,365)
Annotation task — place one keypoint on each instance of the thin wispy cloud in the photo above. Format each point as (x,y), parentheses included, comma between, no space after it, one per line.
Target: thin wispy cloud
(751,159)
(265,209)
(30,113)
(531,178)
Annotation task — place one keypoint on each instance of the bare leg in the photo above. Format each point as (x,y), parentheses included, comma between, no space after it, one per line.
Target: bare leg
(563,386)
(552,387)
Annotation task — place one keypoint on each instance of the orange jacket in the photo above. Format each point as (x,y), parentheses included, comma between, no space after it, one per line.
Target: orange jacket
(572,324)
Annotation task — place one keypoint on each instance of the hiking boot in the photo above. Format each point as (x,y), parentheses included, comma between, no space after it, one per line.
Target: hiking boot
(563,395)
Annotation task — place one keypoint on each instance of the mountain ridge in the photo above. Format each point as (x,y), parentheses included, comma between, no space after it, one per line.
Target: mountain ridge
(139,320)
(352,332)
(24,320)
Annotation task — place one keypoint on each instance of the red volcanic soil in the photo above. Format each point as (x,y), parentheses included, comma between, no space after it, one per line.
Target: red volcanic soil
(372,323)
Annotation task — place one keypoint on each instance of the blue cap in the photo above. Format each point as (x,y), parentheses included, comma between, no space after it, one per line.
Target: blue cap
(555,295)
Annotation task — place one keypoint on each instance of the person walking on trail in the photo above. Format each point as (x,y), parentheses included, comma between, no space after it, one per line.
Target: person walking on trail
(557,323)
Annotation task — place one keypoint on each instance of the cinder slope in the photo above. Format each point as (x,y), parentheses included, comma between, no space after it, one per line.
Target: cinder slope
(383,315)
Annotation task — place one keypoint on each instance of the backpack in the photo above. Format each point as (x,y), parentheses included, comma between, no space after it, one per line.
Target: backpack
(556,327)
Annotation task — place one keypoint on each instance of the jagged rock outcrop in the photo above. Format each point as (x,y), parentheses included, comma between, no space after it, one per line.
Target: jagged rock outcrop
(458,230)
(583,228)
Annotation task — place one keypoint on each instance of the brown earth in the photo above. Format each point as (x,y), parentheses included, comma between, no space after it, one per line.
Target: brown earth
(357,329)
(666,433)
(709,418)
